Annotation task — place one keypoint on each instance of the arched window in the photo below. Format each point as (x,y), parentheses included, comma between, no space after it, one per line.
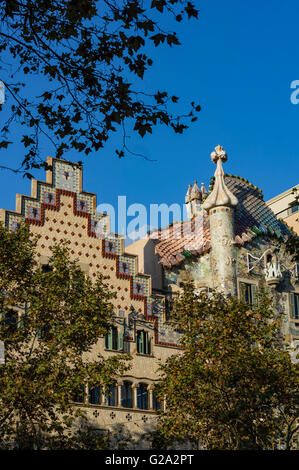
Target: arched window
(114,340)
(142,397)
(127,395)
(95,395)
(110,396)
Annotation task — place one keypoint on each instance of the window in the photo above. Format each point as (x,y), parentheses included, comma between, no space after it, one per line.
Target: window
(110,396)
(114,340)
(95,395)
(293,209)
(248,293)
(142,397)
(46,268)
(143,342)
(294,305)
(11,319)
(127,395)
(43,332)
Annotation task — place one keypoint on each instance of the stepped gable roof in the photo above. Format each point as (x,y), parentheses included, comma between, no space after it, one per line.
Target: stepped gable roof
(252,218)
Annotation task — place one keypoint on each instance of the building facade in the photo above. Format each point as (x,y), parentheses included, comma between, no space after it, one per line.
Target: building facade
(286,206)
(232,242)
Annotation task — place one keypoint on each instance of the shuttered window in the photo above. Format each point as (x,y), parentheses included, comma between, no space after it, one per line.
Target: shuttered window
(294,305)
(115,339)
(143,342)
(248,293)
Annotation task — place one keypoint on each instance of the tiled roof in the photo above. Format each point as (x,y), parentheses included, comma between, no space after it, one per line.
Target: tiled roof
(252,217)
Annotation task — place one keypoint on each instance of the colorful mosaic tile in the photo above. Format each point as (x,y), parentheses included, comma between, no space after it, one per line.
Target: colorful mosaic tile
(66,176)
(109,247)
(137,288)
(49,197)
(127,265)
(33,212)
(124,268)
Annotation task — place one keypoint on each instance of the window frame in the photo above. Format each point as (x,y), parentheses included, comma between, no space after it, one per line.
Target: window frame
(91,393)
(127,387)
(143,343)
(111,395)
(114,339)
(141,400)
(250,283)
(293,305)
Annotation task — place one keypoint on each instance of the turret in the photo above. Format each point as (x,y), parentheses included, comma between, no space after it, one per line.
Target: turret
(220,205)
(193,200)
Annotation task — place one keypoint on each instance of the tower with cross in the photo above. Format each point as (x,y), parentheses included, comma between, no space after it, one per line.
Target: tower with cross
(220,205)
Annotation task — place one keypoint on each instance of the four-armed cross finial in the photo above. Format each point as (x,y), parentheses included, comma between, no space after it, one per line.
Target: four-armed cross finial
(219,154)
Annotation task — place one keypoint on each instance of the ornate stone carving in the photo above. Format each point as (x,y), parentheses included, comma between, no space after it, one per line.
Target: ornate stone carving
(219,153)
(221,195)
(273,273)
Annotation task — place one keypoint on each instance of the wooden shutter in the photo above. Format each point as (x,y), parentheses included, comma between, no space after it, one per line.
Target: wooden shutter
(242,291)
(147,343)
(140,342)
(120,340)
(253,294)
(21,321)
(109,340)
(292,305)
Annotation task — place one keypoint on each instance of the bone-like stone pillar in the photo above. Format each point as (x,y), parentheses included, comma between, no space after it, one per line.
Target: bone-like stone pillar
(220,205)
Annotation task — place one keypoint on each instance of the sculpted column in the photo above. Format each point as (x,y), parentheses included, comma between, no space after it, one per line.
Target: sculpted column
(220,205)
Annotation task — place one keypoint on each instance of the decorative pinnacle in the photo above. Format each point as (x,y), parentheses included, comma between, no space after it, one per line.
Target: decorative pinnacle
(188,195)
(219,154)
(195,193)
(221,195)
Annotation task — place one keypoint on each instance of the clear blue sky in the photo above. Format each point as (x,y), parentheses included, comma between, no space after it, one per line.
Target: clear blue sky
(237,61)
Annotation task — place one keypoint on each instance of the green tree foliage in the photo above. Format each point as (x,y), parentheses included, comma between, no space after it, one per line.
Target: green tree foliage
(50,322)
(234,386)
(292,245)
(87,55)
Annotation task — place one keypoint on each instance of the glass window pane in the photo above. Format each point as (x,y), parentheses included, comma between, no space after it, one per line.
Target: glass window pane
(110,397)
(94,395)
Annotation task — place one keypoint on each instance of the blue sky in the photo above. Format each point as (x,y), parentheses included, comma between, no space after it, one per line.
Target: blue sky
(238,61)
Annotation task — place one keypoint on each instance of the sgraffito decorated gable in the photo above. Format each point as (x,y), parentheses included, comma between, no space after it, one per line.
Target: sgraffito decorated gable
(59,210)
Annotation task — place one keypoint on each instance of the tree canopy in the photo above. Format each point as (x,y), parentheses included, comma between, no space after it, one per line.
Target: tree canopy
(86,54)
(51,319)
(234,386)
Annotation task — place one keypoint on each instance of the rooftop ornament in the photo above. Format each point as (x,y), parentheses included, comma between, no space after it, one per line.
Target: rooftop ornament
(221,195)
